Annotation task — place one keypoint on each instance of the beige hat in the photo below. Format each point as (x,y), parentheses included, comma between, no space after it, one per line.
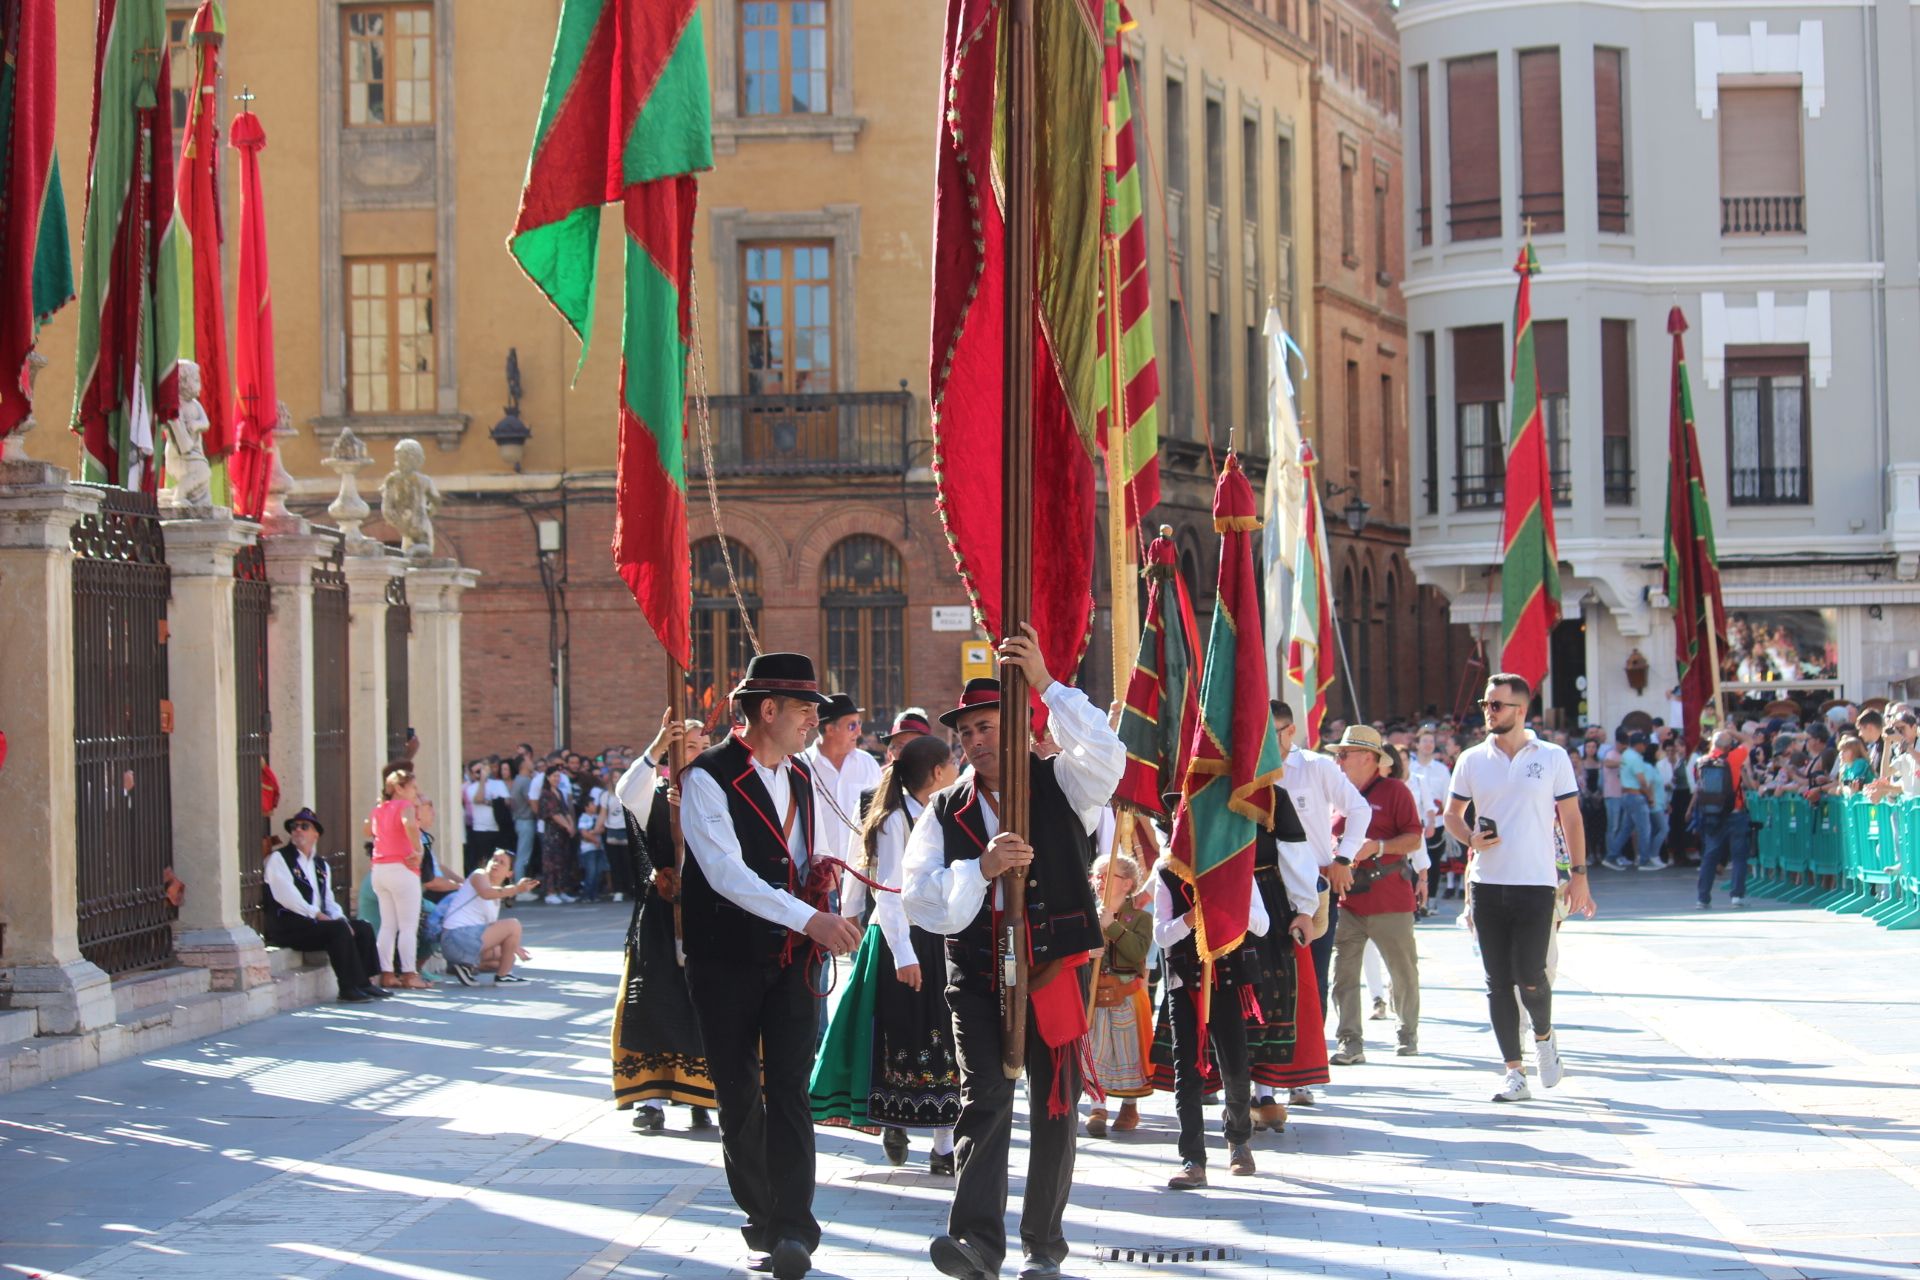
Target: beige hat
(1364,738)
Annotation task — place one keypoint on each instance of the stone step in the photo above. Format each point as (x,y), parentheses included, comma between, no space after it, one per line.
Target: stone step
(283,961)
(159,987)
(17,1025)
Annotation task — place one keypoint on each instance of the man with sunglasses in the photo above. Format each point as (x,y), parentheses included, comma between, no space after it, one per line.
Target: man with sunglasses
(1518,785)
(302,914)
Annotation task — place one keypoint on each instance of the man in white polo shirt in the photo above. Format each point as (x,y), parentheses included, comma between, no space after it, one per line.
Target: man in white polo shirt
(1517,783)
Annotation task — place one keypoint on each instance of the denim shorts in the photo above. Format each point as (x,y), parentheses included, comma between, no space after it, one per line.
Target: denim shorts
(462,945)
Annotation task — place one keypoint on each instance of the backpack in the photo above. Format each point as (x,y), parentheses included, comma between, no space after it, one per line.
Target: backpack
(1713,793)
(436,921)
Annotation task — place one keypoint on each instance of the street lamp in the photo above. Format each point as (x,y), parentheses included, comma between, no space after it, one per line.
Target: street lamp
(1357,509)
(510,435)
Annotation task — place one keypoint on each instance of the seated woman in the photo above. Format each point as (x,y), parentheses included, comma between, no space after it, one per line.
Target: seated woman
(472,934)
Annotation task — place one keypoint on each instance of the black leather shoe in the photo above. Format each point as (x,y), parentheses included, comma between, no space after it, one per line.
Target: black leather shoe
(894,1143)
(355,997)
(702,1120)
(940,1166)
(790,1260)
(377,993)
(1039,1269)
(649,1120)
(954,1257)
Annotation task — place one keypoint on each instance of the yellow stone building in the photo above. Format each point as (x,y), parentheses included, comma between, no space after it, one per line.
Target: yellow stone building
(397,141)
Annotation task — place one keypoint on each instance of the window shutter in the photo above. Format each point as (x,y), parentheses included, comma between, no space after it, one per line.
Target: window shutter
(1616,409)
(1422,107)
(1473,145)
(1550,356)
(1479,364)
(1760,141)
(1541,188)
(1609,138)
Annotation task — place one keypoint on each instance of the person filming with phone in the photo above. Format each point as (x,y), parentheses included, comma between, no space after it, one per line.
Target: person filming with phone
(1518,784)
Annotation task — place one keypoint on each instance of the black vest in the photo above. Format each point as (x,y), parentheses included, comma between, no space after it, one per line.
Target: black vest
(713,928)
(1062,918)
(276,915)
(1235,969)
(1266,854)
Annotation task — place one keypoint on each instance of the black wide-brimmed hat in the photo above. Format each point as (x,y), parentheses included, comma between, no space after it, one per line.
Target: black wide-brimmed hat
(981,692)
(912,720)
(788,674)
(840,704)
(305,815)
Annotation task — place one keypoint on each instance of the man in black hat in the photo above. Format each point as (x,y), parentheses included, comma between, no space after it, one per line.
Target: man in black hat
(908,725)
(756,922)
(303,915)
(842,773)
(953,858)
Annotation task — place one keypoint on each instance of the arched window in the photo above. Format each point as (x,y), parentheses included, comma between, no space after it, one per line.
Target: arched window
(720,644)
(863,598)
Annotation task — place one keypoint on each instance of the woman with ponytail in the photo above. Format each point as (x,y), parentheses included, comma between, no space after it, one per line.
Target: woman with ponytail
(888,1060)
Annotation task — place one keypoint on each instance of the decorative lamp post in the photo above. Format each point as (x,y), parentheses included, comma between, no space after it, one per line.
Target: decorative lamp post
(510,434)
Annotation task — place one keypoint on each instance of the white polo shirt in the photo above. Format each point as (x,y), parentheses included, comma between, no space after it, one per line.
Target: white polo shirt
(1519,794)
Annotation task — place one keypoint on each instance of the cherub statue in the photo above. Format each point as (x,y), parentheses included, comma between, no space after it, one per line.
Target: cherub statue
(187,468)
(409,498)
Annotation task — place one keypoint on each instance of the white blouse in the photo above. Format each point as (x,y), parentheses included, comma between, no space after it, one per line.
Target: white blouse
(889,859)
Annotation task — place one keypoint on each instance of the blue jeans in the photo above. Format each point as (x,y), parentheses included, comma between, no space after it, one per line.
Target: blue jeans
(525,835)
(1634,821)
(1616,819)
(1657,843)
(593,872)
(1726,836)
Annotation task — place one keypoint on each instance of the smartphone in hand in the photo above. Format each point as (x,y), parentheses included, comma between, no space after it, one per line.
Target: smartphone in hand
(1489,828)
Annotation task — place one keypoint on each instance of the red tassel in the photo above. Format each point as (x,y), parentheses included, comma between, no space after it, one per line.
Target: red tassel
(1057,1096)
(1250,1005)
(1089,1071)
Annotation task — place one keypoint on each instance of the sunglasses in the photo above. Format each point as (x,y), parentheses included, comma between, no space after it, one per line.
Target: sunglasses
(304,826)
(1489,704)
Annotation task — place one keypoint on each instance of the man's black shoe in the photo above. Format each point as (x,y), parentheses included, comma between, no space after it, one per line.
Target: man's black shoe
(355,997)
(955,1257)
(1039,1269)
(789,1260)
(762,1263)
(702,1120)
(377,993)
(649,1120)
(894,1143)
(940,1166)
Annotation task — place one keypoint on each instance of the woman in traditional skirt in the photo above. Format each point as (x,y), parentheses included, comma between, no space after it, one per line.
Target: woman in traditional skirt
(1286,1045)
(889,1055)
(1121,1035)
(657,1054)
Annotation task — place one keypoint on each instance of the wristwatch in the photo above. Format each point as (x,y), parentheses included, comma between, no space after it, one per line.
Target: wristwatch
(1343,859)
(1579,870)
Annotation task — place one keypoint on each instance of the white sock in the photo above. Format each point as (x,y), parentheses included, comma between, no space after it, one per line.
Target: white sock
(943,1140)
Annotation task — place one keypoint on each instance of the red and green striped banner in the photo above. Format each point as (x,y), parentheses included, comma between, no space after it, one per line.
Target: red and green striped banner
(1693,568)
(36,265)
(627,118)
(1530,564)
(1123,285)
(1162,710)
(127,354)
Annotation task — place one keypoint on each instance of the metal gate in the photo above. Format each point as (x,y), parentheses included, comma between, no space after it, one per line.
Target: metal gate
(399,628)
(121,719)
(252,602)
(332,734)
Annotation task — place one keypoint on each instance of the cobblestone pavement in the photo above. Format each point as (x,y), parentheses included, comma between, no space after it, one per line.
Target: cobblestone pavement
(1740,1101)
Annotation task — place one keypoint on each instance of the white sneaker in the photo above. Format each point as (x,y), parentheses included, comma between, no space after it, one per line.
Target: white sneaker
(619,897)
(1513,1088)
(1547,1056)
(552,899)
(1739,902)
(565,899)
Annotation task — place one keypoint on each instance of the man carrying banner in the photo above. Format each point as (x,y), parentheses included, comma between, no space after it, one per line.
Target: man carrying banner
(954,858)
(756,917)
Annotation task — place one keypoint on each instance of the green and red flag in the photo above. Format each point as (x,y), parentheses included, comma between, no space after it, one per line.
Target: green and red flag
(1124,294)
(1693,569)
(1227,793)
(1530,563)
(969,311)
(127,354)
(627,119)
(36,265)
(256,407)
(1162,708)
(1311,642)
(203,308)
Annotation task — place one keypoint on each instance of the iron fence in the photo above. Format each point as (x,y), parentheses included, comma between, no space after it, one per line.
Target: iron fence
(252,603)
(399,697)
(832,432)
(1762,215)
(332,734)
(121,722)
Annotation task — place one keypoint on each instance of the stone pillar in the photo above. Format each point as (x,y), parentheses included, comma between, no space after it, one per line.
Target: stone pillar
(210,933)
(367,579)
(433,678)
(292,551)
(40,962)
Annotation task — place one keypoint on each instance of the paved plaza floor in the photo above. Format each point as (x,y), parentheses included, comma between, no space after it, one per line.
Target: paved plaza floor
(1741,1101)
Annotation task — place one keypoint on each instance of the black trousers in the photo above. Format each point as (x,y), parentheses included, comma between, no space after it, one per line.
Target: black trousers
(1515,923)
(348,944)
(984,1136)
(620,866)
(758,1024)
(1227,1029)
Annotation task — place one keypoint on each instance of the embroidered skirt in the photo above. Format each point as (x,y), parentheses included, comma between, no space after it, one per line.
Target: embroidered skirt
(1287,1047)
(889,1057)
(1121,1038)
(657,1054)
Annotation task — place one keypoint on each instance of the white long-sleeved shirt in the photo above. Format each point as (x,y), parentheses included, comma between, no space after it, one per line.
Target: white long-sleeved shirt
(1429,782)
(286,892)
(1300,873)
(1170,926)
(858,772)
(706,826)
(636,789)
(889,854)
(1320,792)
(945,899)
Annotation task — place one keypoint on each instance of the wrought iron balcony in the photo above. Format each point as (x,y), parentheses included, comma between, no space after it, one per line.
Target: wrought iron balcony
(1762,215)
(824,433)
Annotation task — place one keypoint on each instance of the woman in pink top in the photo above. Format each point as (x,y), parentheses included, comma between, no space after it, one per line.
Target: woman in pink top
(396,880)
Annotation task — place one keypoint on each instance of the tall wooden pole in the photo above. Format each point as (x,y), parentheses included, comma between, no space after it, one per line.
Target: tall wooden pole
(1721,718)
(676,761)
(1016,469)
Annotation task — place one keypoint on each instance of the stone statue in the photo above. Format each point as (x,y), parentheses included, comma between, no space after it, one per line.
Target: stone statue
(186,457)
(409,498)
